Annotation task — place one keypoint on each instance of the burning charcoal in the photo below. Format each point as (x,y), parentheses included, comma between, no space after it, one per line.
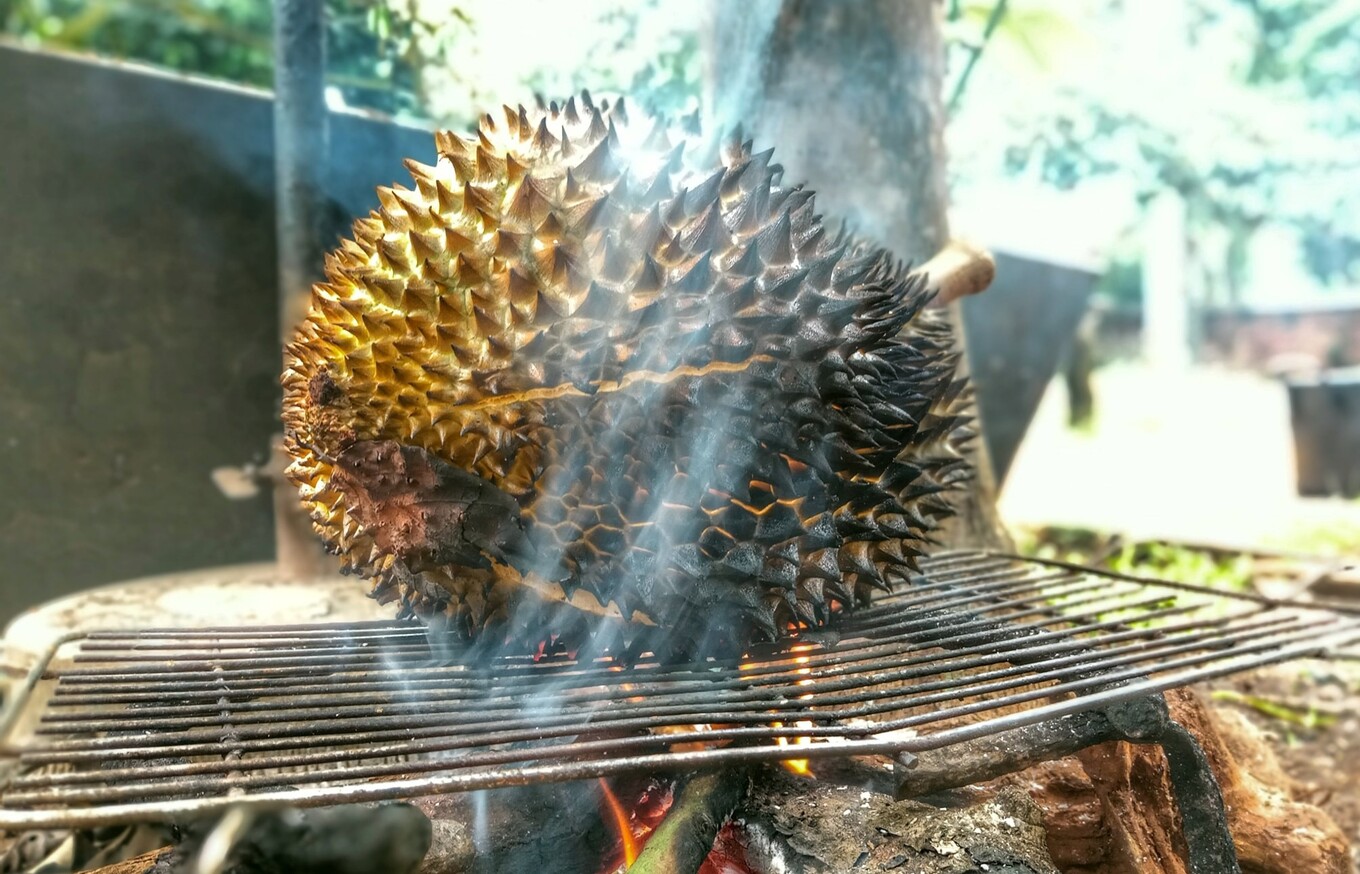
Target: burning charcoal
(349,839)
(582,382)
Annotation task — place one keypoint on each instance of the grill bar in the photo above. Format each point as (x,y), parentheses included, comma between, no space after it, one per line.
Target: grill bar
(117,775)
(122,726)
(435,686)
(811,686)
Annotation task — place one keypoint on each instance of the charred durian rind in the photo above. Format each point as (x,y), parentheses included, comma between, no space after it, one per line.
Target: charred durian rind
(571,384)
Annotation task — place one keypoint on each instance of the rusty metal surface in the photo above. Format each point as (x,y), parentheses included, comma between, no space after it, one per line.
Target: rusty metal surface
(123,726)
(1018,333)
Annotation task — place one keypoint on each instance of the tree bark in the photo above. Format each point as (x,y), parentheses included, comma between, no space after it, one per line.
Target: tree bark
(850,94)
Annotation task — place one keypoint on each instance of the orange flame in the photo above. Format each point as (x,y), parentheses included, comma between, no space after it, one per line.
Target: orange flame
(799,766)
(622,823)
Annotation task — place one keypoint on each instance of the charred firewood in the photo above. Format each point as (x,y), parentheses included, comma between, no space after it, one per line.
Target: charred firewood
(550,827)
(802,826)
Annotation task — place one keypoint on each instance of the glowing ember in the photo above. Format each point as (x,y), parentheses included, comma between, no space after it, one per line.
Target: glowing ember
(728,855)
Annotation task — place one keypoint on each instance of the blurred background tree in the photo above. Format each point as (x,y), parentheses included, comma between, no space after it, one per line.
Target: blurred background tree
(1066,119)
(1247,109)
(376,52)
(440,60)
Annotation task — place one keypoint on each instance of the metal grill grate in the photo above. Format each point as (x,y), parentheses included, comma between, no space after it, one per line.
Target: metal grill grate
(126,726)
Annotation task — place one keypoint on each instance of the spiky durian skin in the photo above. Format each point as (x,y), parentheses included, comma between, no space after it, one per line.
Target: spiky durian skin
(697,411)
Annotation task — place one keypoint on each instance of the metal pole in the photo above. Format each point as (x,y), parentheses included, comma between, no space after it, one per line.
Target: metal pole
(300,140)
(300,157)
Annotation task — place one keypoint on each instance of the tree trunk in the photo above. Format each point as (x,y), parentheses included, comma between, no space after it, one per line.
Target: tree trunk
(850,94)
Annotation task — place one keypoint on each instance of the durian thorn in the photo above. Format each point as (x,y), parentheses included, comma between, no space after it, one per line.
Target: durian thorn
(582,217)
(514,170)
(596,132)
(393,221)
(416,211)
(464,162)
(776,242)
(424,175)
(571,188)
(479,204)
(543,139)
(490,166)
(732,145)
(599,165)
(676,159)
(550,229)
(455,243)
(387,198)
(448,199)
(657,140)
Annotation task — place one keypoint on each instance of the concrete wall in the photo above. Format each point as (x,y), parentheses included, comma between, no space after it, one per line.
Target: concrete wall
(137,315)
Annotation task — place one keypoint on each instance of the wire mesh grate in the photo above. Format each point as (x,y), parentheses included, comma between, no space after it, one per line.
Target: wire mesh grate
(158,723)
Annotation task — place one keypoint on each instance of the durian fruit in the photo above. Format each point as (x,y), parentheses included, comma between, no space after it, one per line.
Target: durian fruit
(579,384)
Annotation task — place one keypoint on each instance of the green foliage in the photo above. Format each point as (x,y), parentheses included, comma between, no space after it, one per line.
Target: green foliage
(1122,282)
(1184,565)
(376,55)
(441,59)
(1247,108)
(1333,539)
(372,56)
(667,76)
(229,39)
(1309,718)
(674,79)
(1055,542)
(1148,559)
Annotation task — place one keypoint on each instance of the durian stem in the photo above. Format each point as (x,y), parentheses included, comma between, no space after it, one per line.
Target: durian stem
(685,837)
(959,270)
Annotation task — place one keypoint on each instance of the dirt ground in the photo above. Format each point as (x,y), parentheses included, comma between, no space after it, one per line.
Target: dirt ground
(1325,758)
(1205,456)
